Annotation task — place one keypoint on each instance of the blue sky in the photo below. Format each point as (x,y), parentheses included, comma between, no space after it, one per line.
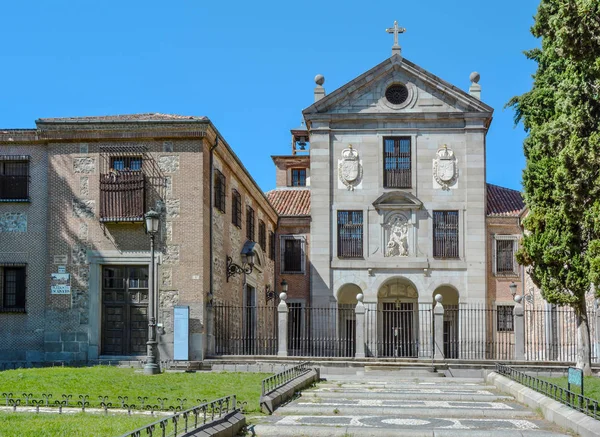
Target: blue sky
(249,66)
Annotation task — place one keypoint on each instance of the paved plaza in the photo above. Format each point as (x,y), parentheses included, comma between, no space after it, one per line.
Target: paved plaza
(389,404)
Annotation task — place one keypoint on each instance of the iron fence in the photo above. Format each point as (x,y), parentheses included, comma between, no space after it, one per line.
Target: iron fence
(571,399)
(550,333)
(188,420)
(245,330)
(399,330)
(280,379)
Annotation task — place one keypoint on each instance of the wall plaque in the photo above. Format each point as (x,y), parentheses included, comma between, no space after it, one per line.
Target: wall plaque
(61,259)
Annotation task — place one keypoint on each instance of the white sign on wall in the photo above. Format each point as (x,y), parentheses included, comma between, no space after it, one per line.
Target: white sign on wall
(60,283)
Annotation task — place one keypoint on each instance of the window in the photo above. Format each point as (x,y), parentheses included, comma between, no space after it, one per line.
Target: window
(445,234)
(12,281)
(350,234)
(219,190)
(505,318)
(504,255)
(126,163)
(236,208)
(298,177)
(250,223)
(271,245)
(14,177)
(396,162)
(262,235)
(292,254)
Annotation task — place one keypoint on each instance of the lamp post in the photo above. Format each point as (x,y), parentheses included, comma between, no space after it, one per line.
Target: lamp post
(151,367)
(513,289)
(284,289)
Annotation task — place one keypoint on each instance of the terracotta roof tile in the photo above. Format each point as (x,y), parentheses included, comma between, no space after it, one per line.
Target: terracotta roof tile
(503,201)
(123,118)
(290,202)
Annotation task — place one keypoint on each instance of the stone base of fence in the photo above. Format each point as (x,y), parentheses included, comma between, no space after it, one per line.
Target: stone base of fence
(270,401)
(552,410)
(230,425)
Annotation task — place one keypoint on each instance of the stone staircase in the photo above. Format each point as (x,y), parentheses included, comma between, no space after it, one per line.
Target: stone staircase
(382,403)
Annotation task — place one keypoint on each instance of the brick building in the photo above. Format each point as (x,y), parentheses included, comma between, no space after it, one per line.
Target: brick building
(74,254)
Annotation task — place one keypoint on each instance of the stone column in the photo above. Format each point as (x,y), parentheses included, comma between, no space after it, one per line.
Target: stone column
(438,325)
(282,335)
(359,312)
(519,325)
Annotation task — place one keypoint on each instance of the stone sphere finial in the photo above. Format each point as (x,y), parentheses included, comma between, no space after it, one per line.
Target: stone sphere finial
(283,296)
(319,79)
(360,297)
(438,298)
(474,77)
(518,298)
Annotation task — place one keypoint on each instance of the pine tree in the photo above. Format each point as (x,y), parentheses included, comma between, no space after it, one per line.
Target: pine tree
(561,114)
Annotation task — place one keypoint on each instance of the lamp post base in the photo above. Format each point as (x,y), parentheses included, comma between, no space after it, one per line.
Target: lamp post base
(151,369)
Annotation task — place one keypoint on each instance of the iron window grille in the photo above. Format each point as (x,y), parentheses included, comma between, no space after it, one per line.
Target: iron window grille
(504,255)
(250,223)
(298,177)
(505,318)
(262,235)
(397,162)
(292,254)
(14,287)
(14,178)
(236,208)
(219,187)
(350,234)
(271,245)
(445,234)
(126,163)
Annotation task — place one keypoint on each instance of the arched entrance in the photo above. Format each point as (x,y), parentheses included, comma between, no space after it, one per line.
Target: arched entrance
(451,319)
(347,318)
(398,319)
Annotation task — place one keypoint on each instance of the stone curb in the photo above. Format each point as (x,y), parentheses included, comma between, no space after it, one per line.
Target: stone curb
(552,410)
(230,425)
(272,400)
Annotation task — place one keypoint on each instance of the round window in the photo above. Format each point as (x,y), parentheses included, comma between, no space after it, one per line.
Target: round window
(396,94)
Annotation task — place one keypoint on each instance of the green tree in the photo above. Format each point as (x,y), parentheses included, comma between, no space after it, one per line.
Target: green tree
(561,114)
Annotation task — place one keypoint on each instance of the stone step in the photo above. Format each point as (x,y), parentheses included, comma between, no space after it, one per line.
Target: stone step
(404,371)
(448,396)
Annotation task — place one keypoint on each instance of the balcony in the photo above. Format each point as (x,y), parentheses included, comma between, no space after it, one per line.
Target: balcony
(122,196)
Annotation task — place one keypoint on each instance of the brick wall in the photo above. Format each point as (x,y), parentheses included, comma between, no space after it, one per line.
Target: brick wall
(298,283)
(498,285)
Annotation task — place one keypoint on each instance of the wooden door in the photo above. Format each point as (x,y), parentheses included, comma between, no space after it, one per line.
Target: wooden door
(124,310)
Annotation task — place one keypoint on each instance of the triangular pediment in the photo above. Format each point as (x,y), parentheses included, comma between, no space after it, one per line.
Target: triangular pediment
(427,93)
(397,200)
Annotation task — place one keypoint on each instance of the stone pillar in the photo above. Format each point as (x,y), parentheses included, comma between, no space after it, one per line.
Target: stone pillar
(519,325)
(359,312)
(282,335)
(438,325)
(210,326)
(597,322)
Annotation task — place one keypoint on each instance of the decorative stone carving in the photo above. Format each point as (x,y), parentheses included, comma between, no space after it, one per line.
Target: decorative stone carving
(84,165)
(13,222)
(349,168)
(445,172)
(397,240)
(83,208)
(169,164)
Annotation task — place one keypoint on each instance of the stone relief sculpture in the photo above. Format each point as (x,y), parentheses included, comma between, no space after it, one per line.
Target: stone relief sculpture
(349,168)
(397,244)
(445,172)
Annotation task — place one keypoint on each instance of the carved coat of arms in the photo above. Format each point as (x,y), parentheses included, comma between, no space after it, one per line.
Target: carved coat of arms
(445,172)
(349,168)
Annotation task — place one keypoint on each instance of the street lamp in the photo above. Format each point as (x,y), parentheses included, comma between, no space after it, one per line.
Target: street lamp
(152,219)
(246,267)
(284,290)
(513,289)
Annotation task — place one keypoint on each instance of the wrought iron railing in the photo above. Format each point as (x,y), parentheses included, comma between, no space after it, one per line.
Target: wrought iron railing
(280,379)
(245,330)
(186,421)
(122,196)
(571,399)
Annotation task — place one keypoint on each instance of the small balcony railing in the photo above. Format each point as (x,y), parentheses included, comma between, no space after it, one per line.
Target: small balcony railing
(122,196)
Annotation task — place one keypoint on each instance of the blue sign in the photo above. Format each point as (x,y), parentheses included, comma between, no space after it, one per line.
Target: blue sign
(575,376)
(181,333)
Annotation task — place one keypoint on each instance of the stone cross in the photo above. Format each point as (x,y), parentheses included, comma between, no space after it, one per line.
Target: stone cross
(396,30)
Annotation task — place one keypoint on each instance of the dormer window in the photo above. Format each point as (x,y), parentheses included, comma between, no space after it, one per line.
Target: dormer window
(298,177)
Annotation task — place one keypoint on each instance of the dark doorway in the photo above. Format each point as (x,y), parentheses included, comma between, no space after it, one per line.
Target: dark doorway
(124,310)
(398,331)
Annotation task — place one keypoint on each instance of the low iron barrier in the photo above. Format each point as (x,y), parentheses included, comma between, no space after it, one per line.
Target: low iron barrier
(571,399)
(188,420)
(273,382)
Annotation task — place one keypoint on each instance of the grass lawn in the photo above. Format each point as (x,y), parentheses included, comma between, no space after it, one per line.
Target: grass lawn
(113,382)
(591,386)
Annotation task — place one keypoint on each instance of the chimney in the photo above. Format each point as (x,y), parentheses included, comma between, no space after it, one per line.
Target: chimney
(475,88)
(319,90)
